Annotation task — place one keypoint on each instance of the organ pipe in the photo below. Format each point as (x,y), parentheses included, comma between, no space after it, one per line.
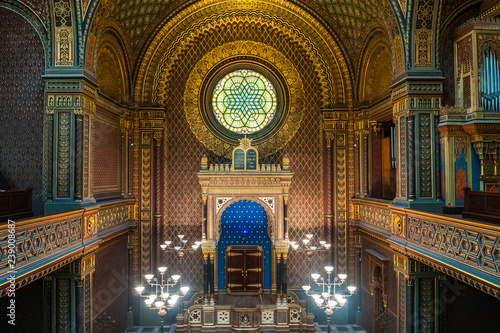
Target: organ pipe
(490,82)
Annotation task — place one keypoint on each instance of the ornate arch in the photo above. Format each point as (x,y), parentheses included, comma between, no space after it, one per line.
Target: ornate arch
(377,47)
(110,42)
(175,35)
(98,29)
(271,216)
(231,50)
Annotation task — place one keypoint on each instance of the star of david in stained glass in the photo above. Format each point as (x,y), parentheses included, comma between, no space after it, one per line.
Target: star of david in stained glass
(244,101)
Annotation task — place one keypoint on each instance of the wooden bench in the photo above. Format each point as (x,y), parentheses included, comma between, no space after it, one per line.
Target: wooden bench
(15,205)
(482,205)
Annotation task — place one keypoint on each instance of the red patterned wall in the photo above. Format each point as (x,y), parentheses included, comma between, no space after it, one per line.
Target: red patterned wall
(106,153)
(21,106)
(183,152)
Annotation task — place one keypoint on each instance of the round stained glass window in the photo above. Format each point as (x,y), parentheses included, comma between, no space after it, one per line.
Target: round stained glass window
(244,101)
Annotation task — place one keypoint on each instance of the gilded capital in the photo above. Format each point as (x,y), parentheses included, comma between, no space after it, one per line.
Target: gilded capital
(158,135)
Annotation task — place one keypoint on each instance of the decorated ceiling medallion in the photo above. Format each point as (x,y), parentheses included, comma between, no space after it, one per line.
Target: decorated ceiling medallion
(244,88)
(244,101)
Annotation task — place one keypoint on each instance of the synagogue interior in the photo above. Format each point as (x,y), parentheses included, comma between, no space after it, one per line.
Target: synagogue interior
(249,166)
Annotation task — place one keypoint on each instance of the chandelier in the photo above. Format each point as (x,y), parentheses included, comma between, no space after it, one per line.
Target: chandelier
(161,296)
(182,248)
(308,247)
(331,297)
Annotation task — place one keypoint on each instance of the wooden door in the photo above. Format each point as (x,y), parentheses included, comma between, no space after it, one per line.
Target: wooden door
(244,269)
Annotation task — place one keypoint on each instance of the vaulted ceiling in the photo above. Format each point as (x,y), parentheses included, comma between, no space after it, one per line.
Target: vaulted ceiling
(349,17)
(351,20)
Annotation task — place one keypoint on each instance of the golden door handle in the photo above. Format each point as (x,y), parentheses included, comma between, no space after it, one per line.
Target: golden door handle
(234,269)
(232,285)
(254,269)
(256,285)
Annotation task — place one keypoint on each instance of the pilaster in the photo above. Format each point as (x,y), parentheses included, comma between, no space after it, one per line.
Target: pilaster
(423,298)
(335,124)
(126,137)
(68,297)
(151,121)
(70,110)
(416,104)
(362,132)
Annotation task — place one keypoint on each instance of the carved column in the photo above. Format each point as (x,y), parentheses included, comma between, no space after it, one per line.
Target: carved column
(329,193)
(437,157)
(70,109)
(425,285)
(403,298)
(150,122)
(416,104)
(375,155)
(284,280)
(48,150)
(362,129)
(356,164)
(68,297)
(84,269)
(411,157)
(212,276)
(366,168)
(158,226)
(125,127)
(279,289)
(208,276)
(206,258)
(335,121)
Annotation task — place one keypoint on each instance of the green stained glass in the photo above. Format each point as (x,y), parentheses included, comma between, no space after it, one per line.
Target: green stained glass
(244,101)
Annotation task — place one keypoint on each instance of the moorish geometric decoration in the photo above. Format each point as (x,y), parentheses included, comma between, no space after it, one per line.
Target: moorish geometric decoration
(223,317)
(244,101)
(193,104)
(267,317)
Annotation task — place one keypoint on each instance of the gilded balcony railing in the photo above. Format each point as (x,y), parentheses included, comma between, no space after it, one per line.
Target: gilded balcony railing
(468,250)
(35,247)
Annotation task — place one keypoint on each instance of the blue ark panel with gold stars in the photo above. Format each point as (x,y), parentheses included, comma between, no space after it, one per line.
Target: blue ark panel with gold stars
(244,223)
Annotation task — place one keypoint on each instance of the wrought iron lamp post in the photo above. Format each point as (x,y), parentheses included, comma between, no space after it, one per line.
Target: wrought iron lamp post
(161,297)
(330,298)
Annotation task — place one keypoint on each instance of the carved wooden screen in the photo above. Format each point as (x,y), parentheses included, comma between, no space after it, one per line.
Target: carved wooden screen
(244,269)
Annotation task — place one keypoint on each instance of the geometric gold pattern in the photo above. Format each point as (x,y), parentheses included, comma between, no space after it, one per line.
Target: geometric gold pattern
(219,54)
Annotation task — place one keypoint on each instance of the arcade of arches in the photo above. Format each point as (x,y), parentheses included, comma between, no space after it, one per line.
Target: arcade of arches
(370,125)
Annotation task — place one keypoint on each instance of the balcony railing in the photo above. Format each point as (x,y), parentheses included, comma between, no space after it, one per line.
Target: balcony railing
(467,249)
(32,248)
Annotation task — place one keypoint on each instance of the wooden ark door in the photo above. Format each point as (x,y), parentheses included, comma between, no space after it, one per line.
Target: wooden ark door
(244,273)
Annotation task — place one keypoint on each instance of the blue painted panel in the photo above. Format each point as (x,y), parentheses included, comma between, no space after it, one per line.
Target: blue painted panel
(476,170)
(244,222)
